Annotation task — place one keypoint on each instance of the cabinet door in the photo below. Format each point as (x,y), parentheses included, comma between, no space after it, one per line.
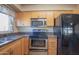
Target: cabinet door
(75,11)
(58,13)
(23,45)
(5,51)
(26,46)
(26,18)
(25,42)
(17,48)
(52,46)
(34,14)
(50,18)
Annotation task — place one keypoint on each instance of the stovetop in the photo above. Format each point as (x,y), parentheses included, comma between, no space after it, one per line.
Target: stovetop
(39,33)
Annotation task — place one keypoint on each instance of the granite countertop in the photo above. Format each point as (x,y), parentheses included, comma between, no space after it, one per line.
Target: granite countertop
(5,39)
(8,39)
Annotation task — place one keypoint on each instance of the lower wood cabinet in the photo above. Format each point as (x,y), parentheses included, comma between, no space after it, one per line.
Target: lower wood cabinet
(18,47)
(21,47)
(6,51)
(52,46)
(25,46)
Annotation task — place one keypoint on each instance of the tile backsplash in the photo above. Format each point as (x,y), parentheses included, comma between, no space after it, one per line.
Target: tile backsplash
(30,29)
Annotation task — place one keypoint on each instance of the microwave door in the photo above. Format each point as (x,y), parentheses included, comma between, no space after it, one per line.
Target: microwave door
(37,23)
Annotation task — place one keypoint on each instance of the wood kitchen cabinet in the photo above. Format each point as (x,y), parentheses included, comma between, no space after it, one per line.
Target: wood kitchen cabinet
(52,46)
(50,18)
(38,14)
(44,14)
(58,13)
(26,17)
(21,47)
(35,14)
(23,19)
(5,51)
(75,11)
(18,47)
(25,46)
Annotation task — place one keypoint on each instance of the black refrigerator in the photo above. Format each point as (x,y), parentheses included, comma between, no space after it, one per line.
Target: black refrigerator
(67,30)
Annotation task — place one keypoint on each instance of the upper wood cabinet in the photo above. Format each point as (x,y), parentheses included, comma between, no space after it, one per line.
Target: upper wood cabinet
(57,13)
(25,17)
(50,18)
(44,14)
(35,15)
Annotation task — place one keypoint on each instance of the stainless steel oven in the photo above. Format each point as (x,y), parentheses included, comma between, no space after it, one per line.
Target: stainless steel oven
(38,39)
(38,43)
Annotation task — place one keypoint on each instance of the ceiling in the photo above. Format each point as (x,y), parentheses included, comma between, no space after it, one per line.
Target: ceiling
(37,7)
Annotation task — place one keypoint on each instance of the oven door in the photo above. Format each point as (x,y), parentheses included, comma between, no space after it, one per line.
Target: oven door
(38,44)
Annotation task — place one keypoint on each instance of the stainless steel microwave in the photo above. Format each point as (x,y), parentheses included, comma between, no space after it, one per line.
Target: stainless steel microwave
(38,22)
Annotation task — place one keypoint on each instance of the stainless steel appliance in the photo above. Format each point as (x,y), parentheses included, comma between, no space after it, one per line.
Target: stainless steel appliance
(38,43)
(38,40)
(67,27)
(38,22)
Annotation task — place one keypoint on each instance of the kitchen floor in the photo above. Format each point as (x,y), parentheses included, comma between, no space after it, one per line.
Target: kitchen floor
(38,52)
